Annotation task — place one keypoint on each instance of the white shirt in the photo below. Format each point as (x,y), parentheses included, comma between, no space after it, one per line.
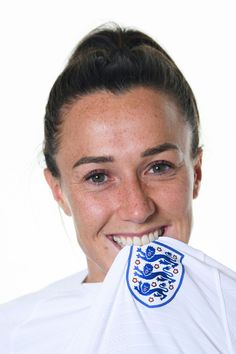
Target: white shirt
(190,308)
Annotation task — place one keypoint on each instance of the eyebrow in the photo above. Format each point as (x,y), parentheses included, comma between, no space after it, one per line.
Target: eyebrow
(93,159)
(159,148)
(103,159)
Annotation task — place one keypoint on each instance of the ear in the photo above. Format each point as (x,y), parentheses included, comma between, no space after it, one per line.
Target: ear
(55,186)
(197,173)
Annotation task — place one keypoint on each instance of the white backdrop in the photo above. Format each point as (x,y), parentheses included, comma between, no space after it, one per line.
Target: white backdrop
(37,245)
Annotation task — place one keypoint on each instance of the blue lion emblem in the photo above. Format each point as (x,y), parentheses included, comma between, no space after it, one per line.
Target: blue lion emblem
(151,256)
(155,273)
(147,273)
(144,289)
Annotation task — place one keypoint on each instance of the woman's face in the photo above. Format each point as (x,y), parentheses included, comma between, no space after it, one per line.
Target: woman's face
(127,174)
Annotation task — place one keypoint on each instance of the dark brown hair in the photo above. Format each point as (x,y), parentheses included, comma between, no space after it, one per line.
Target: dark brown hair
(115,59)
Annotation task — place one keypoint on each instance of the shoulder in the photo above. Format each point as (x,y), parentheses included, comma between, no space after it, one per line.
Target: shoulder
(17,312)
(21,307)
(226,279)
(216,281)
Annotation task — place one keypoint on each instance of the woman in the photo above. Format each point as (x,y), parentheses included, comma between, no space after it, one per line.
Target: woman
(123,159)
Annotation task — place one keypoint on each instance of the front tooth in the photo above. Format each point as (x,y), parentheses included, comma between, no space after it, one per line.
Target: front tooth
(145,239)
(151,237)
(123,240)
(129,241)
(137,241)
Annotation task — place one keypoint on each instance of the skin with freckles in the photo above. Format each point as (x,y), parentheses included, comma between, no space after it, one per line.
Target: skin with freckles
(126,169)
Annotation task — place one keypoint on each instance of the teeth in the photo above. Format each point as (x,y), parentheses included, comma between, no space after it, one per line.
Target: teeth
(129,241)
(123,240)
(145,239)
(152,237)
(138,241)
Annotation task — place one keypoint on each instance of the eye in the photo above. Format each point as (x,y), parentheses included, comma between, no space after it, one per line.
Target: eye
(160,167)
(96,177)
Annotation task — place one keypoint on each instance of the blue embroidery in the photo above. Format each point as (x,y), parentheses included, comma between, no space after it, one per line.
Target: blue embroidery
(155,273)
(148,273)
(150,256)
(144,289)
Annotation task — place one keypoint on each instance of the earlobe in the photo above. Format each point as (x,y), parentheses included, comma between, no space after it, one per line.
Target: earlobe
(55,186)
(197,173)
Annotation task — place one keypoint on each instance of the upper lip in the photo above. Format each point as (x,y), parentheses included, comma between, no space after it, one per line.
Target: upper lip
(138,234)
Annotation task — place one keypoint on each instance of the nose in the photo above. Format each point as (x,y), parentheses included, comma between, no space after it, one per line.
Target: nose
(135,204)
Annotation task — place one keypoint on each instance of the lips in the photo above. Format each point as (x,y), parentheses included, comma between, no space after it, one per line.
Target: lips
(138,240)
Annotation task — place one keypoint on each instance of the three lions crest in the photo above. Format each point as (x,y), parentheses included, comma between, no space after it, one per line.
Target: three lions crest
(155,273)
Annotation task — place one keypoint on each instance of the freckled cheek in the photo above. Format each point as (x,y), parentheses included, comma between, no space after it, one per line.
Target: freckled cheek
(89,212)
(175,199)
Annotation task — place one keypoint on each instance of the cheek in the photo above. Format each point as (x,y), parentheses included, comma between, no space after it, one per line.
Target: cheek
(90,212)
(176,198)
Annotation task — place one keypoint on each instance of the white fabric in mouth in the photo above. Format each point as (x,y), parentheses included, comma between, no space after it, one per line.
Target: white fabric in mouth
(193,319)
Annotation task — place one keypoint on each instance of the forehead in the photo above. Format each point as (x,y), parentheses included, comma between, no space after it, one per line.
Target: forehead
(139,99)
(104,120)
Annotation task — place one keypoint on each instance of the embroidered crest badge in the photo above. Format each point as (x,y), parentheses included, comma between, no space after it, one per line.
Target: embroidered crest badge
(155,273)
